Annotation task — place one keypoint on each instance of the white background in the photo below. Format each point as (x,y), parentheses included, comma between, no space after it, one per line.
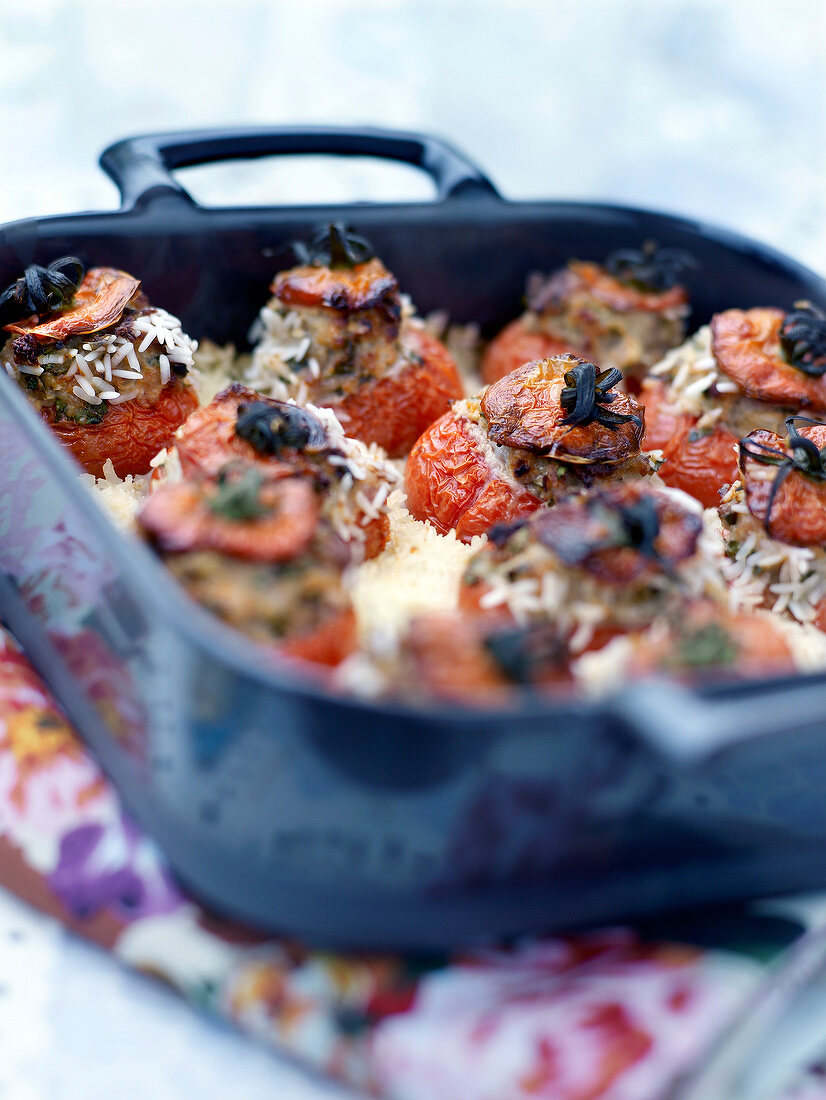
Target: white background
(716,110)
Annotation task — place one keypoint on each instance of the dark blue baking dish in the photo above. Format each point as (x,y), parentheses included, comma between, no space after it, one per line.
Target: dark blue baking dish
(351,823)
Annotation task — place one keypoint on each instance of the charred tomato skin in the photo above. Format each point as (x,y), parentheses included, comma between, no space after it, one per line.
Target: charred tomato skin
(525,410)
(364,286)
(130,434)
(99,302)
(394,410)
(450,483)
(700,463)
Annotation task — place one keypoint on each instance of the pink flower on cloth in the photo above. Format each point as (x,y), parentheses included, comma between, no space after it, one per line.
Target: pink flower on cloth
(590,1018)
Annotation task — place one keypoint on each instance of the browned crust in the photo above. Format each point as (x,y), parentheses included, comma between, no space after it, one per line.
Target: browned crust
(345,290)
(99,302)
(524,410)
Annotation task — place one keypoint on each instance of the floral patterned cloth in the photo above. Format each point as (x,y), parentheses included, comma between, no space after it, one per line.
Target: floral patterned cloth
(598,1015)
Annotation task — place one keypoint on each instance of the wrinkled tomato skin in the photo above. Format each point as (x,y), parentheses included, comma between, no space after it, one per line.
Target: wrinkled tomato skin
(328,644)
(662,420)
(393,411)
(516,345)
(700,467)
(130,434)
(524,410)
(450,483)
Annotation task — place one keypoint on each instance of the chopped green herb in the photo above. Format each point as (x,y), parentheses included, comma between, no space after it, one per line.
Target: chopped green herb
(238,499)
(703,647)
(89,414)
(56,368)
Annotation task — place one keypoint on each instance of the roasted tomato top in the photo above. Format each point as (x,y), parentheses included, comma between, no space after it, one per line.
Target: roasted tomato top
(537,408)
(241,424)
(620,533)
(747,347)
(785,481)
(98,302)
(621,296)
(241,514)
(345,289)
(706,639)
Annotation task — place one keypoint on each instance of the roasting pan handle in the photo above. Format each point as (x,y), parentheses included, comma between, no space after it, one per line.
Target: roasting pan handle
(141,166)
(688,729)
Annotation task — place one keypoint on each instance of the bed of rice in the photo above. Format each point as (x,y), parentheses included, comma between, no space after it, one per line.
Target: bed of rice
(420,569)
